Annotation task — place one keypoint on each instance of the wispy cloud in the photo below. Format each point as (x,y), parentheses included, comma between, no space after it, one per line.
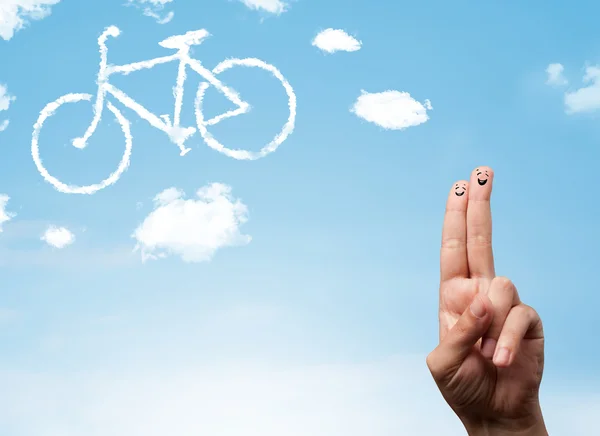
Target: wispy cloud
(555,75)
(8,315)
(332,40)
(16,14)
(587,98)
(392,110)
(58,237)
(272,6)
(192,229)
(5,100)
(4,214)
(154,8)
(254,399)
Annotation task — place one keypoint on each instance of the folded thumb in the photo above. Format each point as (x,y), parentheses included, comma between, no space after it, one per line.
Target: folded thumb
(459,341)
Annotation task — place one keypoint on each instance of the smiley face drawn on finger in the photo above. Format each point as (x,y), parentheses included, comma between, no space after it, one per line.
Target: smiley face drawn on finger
(460,189)
(482,177)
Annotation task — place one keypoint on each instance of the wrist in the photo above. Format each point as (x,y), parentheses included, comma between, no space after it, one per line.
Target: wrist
(538,429)
(532,425)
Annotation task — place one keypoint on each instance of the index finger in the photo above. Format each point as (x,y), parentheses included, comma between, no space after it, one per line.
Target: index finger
(453,254)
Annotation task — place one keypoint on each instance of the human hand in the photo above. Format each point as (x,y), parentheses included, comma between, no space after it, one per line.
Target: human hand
(489,362)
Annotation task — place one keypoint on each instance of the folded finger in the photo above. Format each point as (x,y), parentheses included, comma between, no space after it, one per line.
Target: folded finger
(522,322)
(504,296)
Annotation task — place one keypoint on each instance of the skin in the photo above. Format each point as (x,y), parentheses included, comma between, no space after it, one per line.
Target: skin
(460,188)
(482,175)
(490,358)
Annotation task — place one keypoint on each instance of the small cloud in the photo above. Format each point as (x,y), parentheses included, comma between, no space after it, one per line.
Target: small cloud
(153,8)
(393,110)
(14,14)
(58,237)
(555,75)
(5,100)
(586,99)
(4,214)
(332,40)
(272,6)
(192,229)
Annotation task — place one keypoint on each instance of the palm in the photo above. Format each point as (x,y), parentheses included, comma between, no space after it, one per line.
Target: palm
(455,296)
(467,267)
(501,391)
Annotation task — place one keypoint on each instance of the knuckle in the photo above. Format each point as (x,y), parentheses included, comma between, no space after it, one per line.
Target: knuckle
(532,314)
(526,311)
(438,368)
(480,241)
(504,284)
(453,243)
(431,361)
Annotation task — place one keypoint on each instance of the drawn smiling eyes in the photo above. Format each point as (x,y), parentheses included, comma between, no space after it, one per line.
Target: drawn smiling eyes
(460,190)
(482,181)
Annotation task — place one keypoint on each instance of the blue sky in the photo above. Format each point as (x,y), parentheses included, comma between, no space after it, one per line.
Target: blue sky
(320,324)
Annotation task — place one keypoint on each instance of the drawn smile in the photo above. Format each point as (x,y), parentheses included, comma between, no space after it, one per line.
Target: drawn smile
(485,173)
(460,190)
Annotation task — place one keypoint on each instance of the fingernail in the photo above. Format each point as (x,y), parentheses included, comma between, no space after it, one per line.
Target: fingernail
(502,356)
(488,347)
(477,307)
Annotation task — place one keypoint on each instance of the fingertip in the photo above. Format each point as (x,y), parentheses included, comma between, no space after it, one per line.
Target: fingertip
(482,310)
(481,181)
(502,357)
(479,307)
(458,192)
(483,170)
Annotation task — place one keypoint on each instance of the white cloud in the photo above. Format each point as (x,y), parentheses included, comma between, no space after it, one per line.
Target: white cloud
(392,110)
(272,6)
(15,14)
(58,237)
(555,75)
(153,8)
(4,214)
(332,40)
(5,100)
(192,229)
(586,99)
(232,399)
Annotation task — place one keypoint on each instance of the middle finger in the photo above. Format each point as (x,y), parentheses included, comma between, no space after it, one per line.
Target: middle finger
(479,224)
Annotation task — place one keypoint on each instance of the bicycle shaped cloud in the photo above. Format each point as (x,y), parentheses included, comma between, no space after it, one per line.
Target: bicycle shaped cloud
(177,133)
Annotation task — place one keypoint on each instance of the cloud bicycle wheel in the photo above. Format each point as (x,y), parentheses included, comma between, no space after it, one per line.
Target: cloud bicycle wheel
(49,111)
(277,140)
